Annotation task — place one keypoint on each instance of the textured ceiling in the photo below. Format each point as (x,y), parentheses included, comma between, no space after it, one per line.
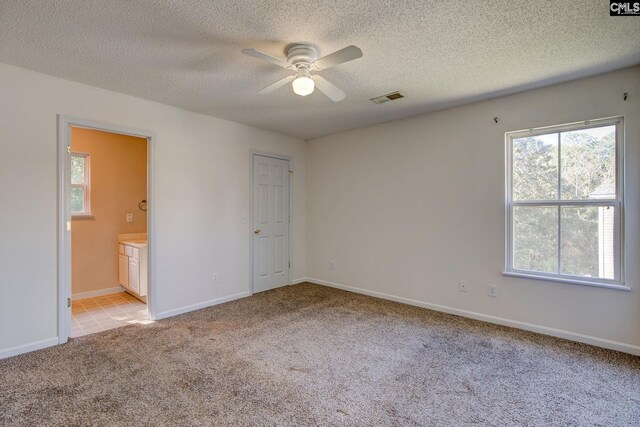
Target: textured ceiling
(186,53)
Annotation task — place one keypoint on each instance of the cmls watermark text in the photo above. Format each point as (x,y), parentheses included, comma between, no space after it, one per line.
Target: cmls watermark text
(624,8)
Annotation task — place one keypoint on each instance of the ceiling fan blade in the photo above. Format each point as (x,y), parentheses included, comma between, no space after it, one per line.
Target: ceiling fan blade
(349,53)
(326,87)
(265,57)
(277,85)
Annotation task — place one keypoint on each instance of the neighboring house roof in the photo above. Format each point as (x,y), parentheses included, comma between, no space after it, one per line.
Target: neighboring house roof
(604,191)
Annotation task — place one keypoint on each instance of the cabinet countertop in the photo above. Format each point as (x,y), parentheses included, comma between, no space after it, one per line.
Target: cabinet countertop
(134,243)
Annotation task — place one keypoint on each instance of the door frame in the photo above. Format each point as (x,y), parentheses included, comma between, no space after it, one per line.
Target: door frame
(253,153)
(65,122)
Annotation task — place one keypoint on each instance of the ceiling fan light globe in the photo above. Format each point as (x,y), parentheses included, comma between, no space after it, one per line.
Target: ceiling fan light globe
(303,86)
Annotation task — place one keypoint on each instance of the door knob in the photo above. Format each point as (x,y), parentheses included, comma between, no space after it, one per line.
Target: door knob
(256,231)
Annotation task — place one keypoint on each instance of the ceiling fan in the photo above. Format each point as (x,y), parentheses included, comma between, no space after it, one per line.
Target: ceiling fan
(303,59)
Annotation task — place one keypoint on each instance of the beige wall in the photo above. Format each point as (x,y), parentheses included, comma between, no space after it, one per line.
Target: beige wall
(118,184)
(411,207)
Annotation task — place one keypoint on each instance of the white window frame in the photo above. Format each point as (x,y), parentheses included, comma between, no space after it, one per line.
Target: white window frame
(86,186)
(618,282)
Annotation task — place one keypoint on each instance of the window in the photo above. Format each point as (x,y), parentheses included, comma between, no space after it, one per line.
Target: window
(564,203)
(80,184)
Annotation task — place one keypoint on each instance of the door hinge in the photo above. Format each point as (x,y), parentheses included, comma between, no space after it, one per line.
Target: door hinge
(289,264)
(68,302)
(69,149)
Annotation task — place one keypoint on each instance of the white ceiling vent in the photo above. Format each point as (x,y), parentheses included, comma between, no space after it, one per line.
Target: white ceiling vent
(388,97)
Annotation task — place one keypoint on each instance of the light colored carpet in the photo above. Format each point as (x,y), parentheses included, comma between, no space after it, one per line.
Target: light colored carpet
(311,355)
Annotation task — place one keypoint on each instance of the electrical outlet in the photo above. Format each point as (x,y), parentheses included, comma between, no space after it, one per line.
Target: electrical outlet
(215,277)
(492,290)
(129,217)
(333,265)
(463,285)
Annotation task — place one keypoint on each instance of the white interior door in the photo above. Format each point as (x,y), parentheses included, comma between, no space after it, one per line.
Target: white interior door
(270,223)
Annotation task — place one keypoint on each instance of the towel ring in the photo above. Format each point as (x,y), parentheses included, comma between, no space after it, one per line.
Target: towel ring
(143,205)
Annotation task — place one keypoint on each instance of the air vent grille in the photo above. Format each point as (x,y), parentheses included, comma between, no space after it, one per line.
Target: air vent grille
(388,97)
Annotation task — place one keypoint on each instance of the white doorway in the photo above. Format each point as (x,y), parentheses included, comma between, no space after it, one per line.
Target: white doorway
(74,213)
(271,222)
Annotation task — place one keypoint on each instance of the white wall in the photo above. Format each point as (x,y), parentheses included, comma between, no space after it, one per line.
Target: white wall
(391,204)
(202,190)
(410,207)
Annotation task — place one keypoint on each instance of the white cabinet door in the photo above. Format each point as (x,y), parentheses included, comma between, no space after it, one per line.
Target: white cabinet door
(123,270)
(134,275)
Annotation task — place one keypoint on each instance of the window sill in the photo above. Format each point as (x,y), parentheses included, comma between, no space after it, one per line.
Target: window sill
(576,281)
(82,217)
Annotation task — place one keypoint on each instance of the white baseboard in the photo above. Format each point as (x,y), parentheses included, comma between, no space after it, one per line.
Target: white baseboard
(198,306)
(299,280)
(26,348)
(545,330)
(99,292)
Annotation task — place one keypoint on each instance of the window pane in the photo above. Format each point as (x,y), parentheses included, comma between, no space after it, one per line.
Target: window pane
(535,167)
(588,163)
(535,241)
(77,200)
(587,241)
(77,170)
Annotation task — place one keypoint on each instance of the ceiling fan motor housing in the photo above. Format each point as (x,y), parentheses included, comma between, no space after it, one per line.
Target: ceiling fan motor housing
(301,55)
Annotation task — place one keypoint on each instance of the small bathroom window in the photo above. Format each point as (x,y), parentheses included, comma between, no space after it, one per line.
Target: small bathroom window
(80,184)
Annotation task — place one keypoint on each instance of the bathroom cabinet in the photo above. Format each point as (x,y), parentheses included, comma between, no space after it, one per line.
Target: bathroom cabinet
(132,267)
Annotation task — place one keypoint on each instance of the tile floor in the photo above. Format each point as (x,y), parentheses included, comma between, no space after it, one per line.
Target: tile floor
(98,314)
